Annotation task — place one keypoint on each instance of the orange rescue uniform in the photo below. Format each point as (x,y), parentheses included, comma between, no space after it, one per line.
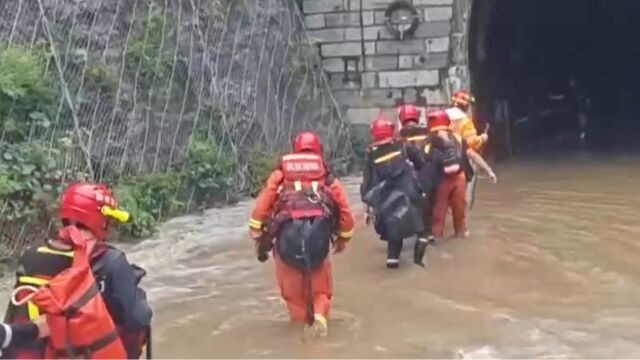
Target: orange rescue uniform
(467,130)
(451,192)
(290,280)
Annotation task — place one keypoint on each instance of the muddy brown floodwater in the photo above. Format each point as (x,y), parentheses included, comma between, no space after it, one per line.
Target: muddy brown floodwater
(551,270)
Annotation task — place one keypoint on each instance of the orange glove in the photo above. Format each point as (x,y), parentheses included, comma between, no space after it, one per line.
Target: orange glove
(339,245)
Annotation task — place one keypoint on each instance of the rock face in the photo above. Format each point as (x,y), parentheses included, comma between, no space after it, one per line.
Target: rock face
(371,70)
(139,78)
(134,86)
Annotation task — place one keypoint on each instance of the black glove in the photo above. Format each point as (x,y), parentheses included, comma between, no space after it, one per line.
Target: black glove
(138,272)
(263,256)
(263,251)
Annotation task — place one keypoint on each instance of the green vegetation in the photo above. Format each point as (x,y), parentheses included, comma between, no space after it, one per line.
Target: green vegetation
(43,140)
(36,160)
(201,180)
(148,50)
(24,89)
(100,77)
(27,168)
(261,165)
(306,53)
(33,163)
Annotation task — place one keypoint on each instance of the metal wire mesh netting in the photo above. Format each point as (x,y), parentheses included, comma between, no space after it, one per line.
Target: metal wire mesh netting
(113,89)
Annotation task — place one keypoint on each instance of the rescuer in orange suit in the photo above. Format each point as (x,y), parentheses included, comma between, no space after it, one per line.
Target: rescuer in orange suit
(456,167)
(300,213)
(462,124)
(87,212)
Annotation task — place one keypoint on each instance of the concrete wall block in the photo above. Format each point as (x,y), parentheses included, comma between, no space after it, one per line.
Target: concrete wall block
(434,61)
(327,35)
(405,61)
(438,13)
(346,49)
(377,63)
(369,80)
(433,29)
(336,65)
(370,33)
(432,2)
(348,98)
(379,18)
(322,6)
(373,4)
(362,116)
(435,96)
(437,44)
(426,29)
(408,78)
(366,98)
(348,19)
(338,82)
(410,95)
(314,21)
(431,61)
(400,47)
(385,34)
(381,32)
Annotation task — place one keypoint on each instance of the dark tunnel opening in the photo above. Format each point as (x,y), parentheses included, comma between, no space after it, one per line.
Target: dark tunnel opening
(555,75)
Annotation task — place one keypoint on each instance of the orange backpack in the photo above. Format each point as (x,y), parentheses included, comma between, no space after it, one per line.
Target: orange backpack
(79,321)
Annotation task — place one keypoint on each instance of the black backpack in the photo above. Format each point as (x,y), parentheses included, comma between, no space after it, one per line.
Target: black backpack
(304,227)
(304,243)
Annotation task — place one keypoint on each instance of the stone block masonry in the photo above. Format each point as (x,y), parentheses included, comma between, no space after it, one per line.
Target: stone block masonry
(408,78)
(346,49)
(348,19)
(391,71)
(322,6)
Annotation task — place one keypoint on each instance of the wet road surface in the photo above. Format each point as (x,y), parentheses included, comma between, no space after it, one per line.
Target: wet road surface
(551,270)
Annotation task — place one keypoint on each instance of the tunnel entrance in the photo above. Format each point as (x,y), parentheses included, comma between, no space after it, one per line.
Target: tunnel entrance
(556,75)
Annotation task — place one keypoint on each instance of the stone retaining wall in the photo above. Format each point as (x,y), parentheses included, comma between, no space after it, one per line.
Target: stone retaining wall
(417,69)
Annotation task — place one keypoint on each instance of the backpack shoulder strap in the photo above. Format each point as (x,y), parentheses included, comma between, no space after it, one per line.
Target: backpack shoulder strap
(109,254)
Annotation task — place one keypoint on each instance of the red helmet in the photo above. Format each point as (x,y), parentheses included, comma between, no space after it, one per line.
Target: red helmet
(438,120)
(86,204)
(462,98)
(381,130)
(307,141)
(408,113)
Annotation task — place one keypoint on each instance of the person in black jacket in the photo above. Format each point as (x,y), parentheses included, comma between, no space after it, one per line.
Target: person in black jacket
(22,334)
(391,187)
(412,132)
(90,208)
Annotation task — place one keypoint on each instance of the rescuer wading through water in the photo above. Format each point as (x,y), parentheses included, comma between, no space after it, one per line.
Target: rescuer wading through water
(456,169)
(412,132)
(300,213)
(463,125)
(391,188)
